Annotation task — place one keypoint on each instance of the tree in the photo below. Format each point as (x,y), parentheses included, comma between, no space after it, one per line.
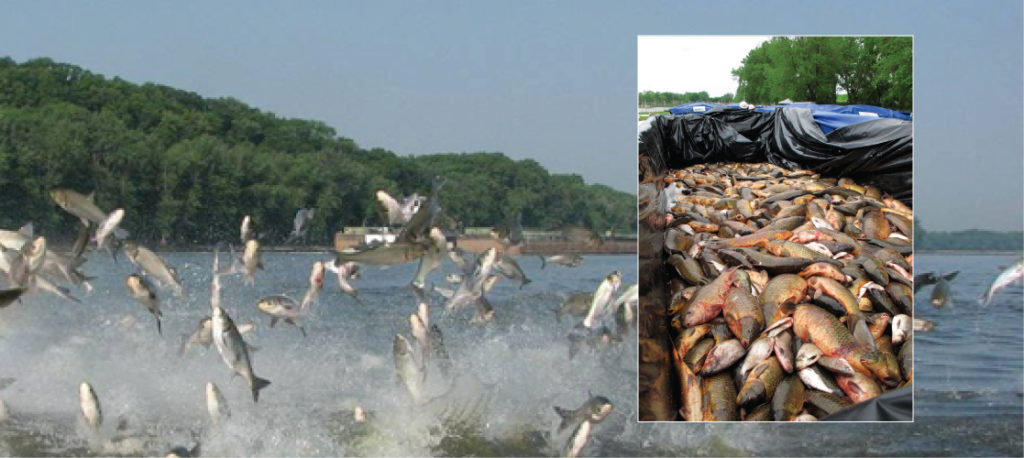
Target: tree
(871,70)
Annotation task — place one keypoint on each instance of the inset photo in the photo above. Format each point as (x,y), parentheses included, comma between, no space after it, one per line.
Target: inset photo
(776,265)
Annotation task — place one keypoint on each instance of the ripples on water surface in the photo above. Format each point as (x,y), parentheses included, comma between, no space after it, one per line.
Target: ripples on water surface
(968,374)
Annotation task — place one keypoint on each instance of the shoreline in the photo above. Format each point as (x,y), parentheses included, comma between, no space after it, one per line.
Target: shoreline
(970,252)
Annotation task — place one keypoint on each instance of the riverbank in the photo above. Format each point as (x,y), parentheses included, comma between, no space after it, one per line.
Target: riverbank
(970,252)
(474,245)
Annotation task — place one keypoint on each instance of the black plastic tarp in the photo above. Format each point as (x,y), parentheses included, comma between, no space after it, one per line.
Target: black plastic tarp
(877,153)
(895,405)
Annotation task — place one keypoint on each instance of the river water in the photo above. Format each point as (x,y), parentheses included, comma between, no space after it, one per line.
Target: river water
(511,372)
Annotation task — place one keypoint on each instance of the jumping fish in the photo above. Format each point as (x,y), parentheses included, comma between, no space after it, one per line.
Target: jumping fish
(1007,277)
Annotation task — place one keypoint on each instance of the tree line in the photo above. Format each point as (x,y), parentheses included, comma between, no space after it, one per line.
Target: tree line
(186,169)
(871,70)
(970,240)
(648,99)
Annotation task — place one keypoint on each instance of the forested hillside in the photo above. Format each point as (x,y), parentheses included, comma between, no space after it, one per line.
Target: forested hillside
(187,168)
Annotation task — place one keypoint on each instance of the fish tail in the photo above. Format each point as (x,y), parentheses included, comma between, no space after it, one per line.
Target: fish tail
(184,345)
(985,299)
(257,385)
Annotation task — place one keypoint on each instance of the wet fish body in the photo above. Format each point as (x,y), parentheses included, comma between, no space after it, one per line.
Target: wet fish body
(234,351)
(153,265)
(1010,275)
(89,405)
(565,260)
(602,298)
(145,294)
(216,405)
(107,226)
(252,260)
(409,373)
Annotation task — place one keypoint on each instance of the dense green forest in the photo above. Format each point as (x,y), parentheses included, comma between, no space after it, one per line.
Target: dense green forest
(871,70)
(670,99)
(973,239)
(187,168)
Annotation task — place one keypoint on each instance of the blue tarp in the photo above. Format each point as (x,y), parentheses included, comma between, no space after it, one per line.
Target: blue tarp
(828,117)
(696,107)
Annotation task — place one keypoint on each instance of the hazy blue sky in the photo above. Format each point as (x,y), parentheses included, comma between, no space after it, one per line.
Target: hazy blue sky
(551,81)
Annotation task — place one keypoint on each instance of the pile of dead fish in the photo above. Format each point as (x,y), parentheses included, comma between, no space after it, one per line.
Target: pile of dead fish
(790,293)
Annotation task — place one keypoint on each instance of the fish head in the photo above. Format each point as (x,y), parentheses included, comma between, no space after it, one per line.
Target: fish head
(807,355)
(116,216)
(615,279)
(133,282)
(60,196)
(316,275)
(816,283)
(85,391)
(599,408)
(417,326)
(488,259)
(131,249)
(265,305)
(211,391)
(901,328)
(423,312)
(882,365)
(37,248)
(401,346)
(353,270)
(438,238)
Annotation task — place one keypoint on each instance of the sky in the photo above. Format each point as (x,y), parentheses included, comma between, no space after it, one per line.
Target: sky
(551,81)
(663,62)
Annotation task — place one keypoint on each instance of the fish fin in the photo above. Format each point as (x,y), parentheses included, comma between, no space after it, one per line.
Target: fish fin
(27,230)
(273,321)
(862,335)
(543,262)
(184,345)
(257,385)
(122,423)
(91,197)
(566,416)
(158,329)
